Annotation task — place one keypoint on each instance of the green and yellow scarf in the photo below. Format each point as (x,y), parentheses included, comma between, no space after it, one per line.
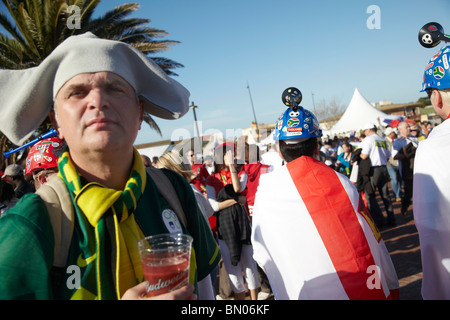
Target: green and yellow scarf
(106,231)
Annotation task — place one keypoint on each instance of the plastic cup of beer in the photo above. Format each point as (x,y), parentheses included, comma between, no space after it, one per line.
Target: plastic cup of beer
(165,262)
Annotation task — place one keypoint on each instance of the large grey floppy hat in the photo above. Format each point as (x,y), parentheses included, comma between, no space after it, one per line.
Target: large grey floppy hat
(26,96)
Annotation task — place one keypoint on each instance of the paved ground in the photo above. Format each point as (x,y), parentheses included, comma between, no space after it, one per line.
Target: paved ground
(402,243)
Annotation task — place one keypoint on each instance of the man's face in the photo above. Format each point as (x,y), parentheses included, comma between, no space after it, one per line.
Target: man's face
(404,130)
(98,112)
(392,136)
(9,180)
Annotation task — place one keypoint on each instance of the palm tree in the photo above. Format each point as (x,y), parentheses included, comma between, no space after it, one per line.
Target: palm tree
(39,26)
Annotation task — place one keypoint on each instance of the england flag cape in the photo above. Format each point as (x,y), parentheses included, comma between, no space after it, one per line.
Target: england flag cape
(312,239)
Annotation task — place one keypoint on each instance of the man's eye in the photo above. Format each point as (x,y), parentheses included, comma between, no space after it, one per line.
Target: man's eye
(76,93)
(116,89)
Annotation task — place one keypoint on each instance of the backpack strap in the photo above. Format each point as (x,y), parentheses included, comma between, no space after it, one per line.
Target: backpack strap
(167,190)
(57,199)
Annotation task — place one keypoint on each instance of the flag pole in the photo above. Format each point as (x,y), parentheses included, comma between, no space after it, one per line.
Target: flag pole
(254,114)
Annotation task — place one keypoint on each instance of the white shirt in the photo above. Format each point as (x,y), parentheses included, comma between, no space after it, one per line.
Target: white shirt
(376,148)
(327,152)
(272,158)
(400,142)
(431,198)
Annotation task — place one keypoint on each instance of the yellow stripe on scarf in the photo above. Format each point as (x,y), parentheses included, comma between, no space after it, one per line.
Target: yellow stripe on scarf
(128,266)
(94,195)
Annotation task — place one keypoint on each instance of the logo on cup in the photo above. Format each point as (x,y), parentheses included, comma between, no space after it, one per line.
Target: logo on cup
(178,281)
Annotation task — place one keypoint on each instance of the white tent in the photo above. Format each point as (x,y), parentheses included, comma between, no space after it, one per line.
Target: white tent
(357,114)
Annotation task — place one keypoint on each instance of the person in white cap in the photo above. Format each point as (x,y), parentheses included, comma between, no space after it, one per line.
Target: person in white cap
(431,192)
(14,175)
(99,90)
(374,147)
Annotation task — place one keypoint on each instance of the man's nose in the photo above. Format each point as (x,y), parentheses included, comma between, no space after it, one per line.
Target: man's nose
(97,99)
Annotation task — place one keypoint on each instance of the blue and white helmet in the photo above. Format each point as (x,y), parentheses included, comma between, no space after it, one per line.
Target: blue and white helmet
(296,124)
(437,72)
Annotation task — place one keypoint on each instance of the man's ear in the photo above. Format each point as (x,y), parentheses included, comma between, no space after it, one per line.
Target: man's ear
(141,113)
(436,99)
(54,120)
(42,178)
(316,151)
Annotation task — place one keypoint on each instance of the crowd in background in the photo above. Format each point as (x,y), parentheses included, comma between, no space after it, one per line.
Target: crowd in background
(338,153)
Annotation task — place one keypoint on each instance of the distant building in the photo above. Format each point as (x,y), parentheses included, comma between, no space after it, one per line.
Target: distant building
(381,103)
(412,110)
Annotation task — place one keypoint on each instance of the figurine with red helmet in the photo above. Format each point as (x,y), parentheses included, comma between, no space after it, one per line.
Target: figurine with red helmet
(42,160)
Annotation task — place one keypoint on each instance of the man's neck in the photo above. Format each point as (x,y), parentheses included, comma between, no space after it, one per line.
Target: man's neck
(110,171)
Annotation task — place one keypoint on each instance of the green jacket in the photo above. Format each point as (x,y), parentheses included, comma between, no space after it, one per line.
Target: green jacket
(27,242)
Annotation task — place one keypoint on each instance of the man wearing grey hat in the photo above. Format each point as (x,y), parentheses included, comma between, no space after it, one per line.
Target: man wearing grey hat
(14,176)
(99,90)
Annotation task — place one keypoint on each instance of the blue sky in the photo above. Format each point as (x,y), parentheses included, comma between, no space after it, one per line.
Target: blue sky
(322,47)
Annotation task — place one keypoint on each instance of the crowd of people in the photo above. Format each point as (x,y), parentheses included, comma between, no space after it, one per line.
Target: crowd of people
(394,164)
(299,221)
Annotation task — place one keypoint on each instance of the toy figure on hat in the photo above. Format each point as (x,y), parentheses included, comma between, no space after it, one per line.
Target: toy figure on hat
(296,124)
(42,160)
